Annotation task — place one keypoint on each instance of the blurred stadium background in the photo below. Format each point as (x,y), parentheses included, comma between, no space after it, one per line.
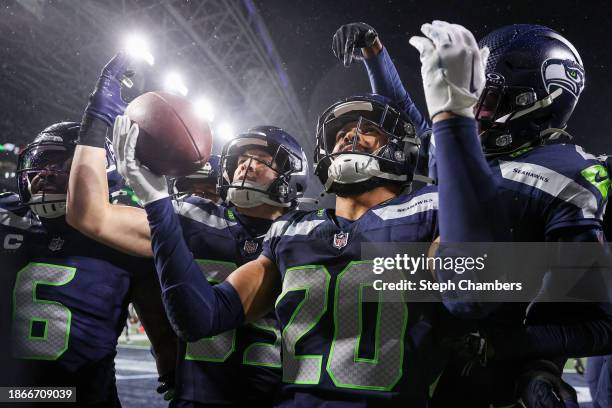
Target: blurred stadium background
(52,52)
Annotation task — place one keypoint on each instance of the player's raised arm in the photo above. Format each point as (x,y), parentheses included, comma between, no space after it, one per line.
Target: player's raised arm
(195,308)
(453,78)
(360,41)
(88,207)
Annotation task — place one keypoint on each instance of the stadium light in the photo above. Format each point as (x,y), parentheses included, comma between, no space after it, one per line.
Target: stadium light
(225,131)
(10,147)
(204,109)
(174,84)
(136,47)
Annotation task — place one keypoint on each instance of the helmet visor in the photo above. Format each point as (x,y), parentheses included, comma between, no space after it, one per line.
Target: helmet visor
(43,169)
(46,157)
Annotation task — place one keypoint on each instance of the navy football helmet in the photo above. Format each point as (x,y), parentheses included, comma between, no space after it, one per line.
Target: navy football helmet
(288,162)
(534,79)
(43,169)
(352,170)
(202,183)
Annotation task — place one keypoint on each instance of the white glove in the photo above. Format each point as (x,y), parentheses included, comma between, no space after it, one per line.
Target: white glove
(147,185)
(453,68)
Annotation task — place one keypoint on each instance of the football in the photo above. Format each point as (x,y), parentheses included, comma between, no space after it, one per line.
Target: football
(172,140)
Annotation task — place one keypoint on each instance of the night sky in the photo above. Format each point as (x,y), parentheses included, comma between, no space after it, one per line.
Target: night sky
(302,32)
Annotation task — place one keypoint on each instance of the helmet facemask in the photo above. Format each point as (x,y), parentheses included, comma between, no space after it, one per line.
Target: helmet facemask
(352,169)
(512,118)
(43,171)
(251,193)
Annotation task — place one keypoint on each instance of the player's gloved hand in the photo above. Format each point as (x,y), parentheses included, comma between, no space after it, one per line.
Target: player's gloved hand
(470,349)
(147,185)
(453,68)
(541,386)
(105,102)
(166,386)
(350,38)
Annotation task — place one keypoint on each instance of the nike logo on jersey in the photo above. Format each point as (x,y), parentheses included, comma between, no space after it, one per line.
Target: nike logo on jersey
(599,177)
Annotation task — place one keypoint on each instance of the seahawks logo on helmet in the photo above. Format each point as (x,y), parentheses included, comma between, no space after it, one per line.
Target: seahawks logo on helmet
(563,73)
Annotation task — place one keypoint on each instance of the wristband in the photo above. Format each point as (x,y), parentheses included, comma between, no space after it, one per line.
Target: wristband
(93,131)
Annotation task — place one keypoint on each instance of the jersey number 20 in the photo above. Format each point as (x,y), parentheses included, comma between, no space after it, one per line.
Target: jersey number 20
(346,367)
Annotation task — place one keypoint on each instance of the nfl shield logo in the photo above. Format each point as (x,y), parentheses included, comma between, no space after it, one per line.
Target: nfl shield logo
(340,240)
(250,247)
(56,244)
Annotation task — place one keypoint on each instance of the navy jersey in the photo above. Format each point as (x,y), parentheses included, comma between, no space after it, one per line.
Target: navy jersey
(69,307)
(15,222)
(242,366)
(546,189)
(552,187)
(338,349)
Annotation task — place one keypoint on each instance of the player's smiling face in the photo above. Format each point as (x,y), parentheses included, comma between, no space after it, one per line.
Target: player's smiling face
(369,138)
(252,168)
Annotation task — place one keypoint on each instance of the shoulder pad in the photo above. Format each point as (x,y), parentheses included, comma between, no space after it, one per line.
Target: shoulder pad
(564,171)
(15,214)
(296,222)
(204,211)
(422,200)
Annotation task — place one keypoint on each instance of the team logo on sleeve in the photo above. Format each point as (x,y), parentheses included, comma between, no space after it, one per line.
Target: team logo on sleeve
(340,240)
(250,247)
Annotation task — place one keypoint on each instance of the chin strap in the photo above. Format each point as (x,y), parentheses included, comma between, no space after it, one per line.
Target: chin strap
(247,194)
(353,168)
(54,208)
(423,179)
(555,133)
(307,200)
(542,103)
